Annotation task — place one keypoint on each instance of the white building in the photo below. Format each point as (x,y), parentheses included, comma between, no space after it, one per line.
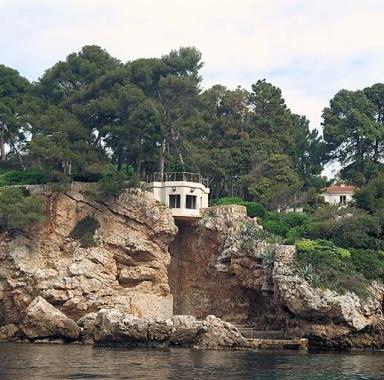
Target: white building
(338,195)
(184,193)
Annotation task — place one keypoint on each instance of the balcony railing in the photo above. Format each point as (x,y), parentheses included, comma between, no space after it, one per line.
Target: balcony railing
(179,176)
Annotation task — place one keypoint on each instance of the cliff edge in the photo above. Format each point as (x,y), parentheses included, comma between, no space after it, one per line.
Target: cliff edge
(90,255)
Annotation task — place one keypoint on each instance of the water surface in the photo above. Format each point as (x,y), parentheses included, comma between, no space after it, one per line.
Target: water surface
(47,361)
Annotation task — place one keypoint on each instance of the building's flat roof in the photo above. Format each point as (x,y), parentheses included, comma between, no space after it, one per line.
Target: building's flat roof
(179,177)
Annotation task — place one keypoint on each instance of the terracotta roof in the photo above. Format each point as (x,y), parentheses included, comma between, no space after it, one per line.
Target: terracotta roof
(340,189)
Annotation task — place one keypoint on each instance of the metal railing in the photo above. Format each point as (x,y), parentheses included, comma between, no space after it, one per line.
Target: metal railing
(179,176)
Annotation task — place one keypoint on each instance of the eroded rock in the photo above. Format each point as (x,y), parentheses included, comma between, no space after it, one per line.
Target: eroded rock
(217,334)
(125,268)
(112,327)
(42,320)
(8,332)
(323,305)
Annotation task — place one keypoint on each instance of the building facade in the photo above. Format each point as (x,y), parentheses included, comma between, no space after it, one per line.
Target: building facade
(184,193)
(338,195)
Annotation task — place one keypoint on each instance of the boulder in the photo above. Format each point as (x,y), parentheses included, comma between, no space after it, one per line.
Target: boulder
(334,337)
(217,334)
(159,332)
(185,330)
(112,327)
(87,325)
(115,327)
(42,320)
(8,332)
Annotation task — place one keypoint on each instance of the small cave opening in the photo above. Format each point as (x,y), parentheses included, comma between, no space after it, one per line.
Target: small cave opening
(199,289)
(182,267)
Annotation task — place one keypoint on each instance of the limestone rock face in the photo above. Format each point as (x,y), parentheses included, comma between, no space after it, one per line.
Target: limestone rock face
(336,337)
(211,274)
(261,276)
(322,305)
(125,268)
(42,320)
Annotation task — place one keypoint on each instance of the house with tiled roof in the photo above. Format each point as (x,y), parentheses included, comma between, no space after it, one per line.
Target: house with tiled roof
(338,195)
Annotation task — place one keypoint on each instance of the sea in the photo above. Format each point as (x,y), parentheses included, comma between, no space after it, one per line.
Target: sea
(49,361)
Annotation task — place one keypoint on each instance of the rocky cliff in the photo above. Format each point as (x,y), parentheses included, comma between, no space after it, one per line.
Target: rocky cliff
(124,268)
(227,265)
(208,274)
(124,265)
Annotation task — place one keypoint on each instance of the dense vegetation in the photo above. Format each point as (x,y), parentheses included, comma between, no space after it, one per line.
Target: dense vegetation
(19,210)
(92,114)
(338,248)
(94,118)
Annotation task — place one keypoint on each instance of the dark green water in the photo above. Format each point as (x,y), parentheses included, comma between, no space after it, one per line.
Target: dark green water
(40,361)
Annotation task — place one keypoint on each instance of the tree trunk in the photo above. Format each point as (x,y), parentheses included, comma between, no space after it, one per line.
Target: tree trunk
(376,152)
(2,142)
(182,161)
(2,147)
(162,158)
(13,146)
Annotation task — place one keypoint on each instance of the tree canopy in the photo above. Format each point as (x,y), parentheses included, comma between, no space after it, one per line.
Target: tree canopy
(91,113)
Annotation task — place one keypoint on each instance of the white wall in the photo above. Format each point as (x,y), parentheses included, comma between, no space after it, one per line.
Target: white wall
(334,199)
(162,190)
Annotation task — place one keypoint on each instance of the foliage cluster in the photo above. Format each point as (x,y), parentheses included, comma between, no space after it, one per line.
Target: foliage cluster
(19,210)
(323,264)
(27,177)
(290,226)
(114,183)
(90,111)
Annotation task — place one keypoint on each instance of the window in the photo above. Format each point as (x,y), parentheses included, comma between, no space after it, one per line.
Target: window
(191,201)
(174,200)
(343,200)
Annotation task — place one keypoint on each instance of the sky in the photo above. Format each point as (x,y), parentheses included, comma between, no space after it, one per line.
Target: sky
(309,48)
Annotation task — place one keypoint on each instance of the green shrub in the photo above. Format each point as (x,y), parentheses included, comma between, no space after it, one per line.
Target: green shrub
(227,201)
(344,252)
(306,245)
(113,184)
(294,219)
(19,210)
(295,234)
(321,253)
(28,177)
(255,209)
(369,263)
(324,264)
(282,224)
(275,227)
(84,231)
(347,227)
